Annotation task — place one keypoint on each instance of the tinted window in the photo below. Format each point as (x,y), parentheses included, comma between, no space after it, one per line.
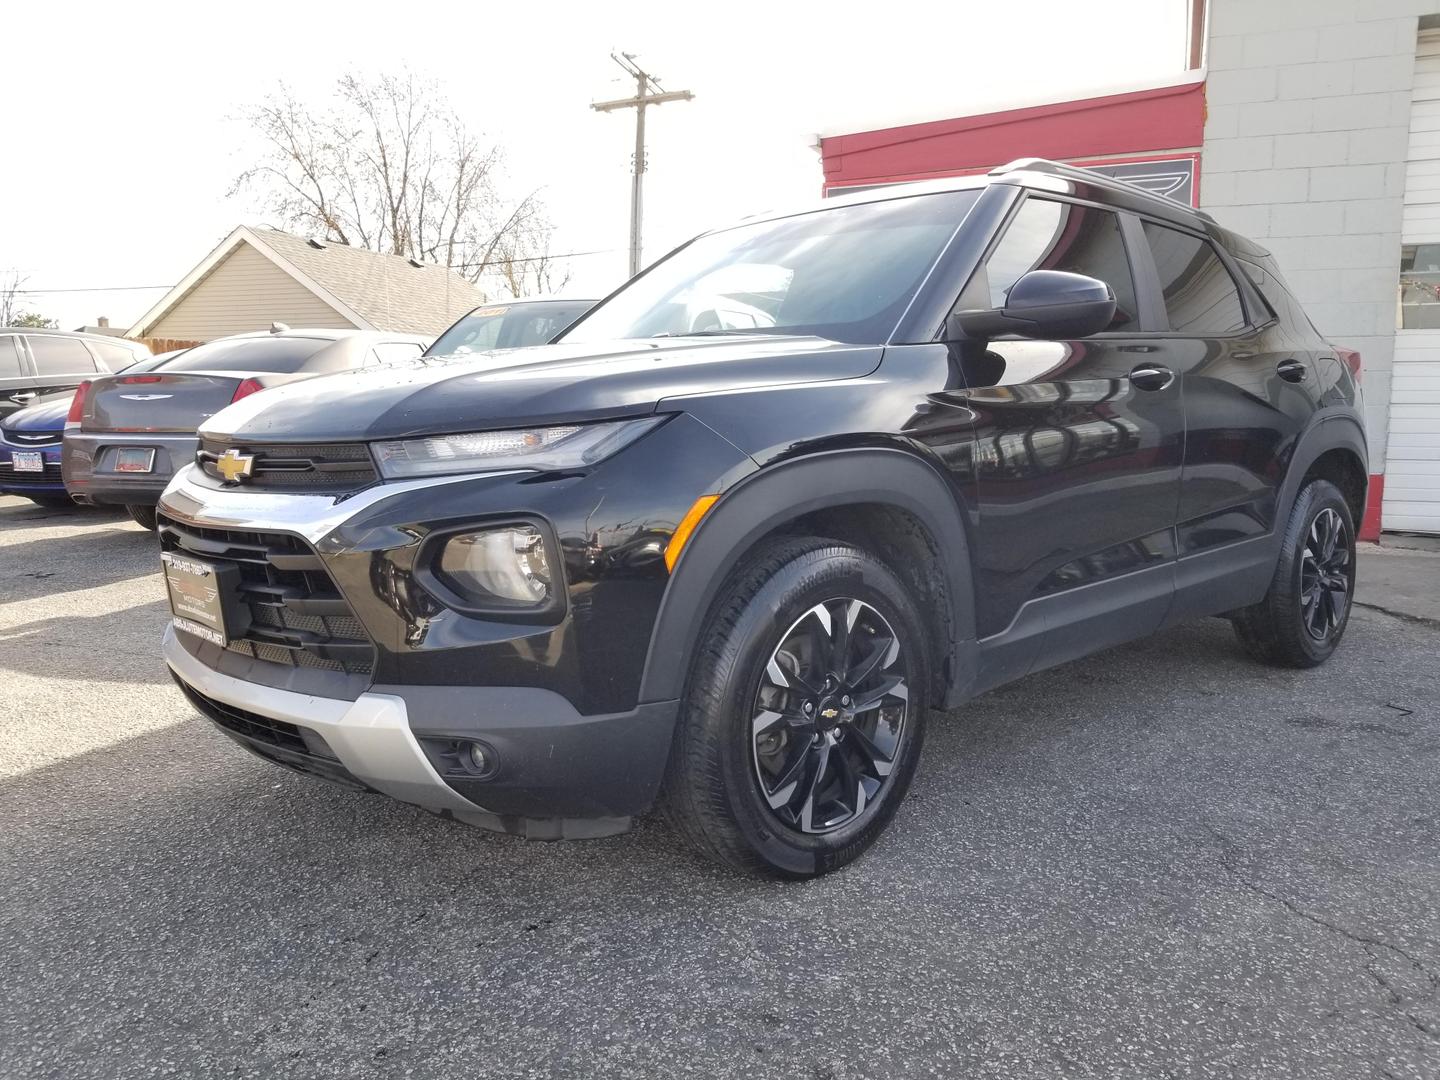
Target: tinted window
(115,357)
(9,356)
(285,355)
(60,356)
(508,326)
(393,352)
(1046,235)
(1200,295)
(846,273)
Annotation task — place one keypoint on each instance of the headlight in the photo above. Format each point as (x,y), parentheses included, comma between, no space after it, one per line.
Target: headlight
(567,446)
(504,566)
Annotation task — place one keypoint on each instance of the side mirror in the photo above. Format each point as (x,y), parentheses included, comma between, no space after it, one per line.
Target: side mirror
(1044,304)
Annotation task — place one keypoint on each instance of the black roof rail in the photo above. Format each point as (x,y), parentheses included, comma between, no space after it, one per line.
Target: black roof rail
(1088,176)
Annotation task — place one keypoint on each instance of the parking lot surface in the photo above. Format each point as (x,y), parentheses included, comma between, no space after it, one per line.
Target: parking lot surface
(1163,861)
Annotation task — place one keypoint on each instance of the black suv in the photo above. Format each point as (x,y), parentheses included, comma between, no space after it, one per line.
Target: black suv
(729,539)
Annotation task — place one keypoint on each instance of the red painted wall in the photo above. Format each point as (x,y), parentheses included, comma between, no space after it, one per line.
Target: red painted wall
(1140,122)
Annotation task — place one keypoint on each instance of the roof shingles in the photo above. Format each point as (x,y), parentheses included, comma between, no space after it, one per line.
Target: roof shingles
(385,290)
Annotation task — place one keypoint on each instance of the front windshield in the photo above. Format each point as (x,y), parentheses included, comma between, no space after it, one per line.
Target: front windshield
(845,273)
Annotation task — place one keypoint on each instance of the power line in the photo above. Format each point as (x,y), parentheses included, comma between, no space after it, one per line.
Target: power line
(497,262)
(647,92)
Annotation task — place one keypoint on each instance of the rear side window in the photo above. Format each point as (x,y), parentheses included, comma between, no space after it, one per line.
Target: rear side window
(114,357)
(60,356)
(281,356)
(1200,295)
(9,356)
(392,352)
(1048,235)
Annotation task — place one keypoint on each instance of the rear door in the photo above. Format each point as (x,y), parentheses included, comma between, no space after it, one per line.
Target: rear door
(60,363)
(1251,384)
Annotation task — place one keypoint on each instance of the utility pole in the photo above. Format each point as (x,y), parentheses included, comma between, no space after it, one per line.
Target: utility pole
(647,92)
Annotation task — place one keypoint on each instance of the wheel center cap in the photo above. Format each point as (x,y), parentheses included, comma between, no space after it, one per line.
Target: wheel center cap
(830,714)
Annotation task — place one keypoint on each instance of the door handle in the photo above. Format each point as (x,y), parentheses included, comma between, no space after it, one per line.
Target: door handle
(1291,370)
(1151,377)
(23,398)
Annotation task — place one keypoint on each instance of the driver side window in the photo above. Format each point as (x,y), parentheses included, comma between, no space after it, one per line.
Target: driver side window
(1049,235)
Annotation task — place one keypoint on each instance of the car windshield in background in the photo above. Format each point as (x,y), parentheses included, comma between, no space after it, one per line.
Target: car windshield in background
(282,356)
(845,273)
(508,326)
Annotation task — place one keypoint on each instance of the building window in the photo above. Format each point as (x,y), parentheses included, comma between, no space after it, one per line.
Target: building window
(1420,287)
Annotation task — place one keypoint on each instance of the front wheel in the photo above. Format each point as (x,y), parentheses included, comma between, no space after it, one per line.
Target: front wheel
(144,516)
(804,712)
(1304,614)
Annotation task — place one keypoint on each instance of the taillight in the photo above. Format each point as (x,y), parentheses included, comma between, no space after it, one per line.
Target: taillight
(246,388)
(1351,359)
(77,403)
(140,378)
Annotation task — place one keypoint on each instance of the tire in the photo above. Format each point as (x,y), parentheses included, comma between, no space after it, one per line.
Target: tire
(1300,622)
(52,502)
(144,516)
(745,736)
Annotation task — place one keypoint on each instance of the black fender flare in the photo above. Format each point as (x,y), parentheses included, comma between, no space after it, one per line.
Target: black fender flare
(1337,431)
(782,492)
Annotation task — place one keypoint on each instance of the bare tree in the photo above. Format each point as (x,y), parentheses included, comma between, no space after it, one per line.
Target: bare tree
(387,164)
(10,311)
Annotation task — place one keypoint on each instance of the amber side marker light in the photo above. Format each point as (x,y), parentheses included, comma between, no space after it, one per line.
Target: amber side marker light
(682,532)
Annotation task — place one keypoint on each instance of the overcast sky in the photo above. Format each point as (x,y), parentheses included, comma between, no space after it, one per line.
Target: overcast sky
(122,142)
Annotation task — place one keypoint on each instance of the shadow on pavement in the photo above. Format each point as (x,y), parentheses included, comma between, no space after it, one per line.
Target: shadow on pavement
(1096,865)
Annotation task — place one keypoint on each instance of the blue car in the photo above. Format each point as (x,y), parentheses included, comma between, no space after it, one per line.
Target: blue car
(30,441)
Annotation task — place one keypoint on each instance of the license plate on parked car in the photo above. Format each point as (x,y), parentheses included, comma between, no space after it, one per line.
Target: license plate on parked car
(203,597)
(27,461)
(134,459)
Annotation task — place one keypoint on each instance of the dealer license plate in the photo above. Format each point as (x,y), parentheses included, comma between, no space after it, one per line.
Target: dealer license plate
(27,461)
(134,459)
(200,594)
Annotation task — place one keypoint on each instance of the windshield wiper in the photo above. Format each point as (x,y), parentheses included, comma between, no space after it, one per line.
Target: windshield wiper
(702,333)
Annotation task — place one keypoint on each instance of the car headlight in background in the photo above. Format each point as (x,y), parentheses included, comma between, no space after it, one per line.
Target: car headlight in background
(506,566)
(544,449)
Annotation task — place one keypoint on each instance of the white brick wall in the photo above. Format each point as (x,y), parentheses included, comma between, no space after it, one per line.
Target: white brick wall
(1305,143)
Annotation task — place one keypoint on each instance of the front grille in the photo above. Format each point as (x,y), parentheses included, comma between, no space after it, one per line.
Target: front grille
(297,615)
(9,475)
(325,468)
(25,440)
(275,740)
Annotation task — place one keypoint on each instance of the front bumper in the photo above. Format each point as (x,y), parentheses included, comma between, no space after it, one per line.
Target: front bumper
(558,776)
(14,482)
(89,466)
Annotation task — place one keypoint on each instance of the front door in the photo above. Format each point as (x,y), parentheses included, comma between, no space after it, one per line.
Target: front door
(1078,452)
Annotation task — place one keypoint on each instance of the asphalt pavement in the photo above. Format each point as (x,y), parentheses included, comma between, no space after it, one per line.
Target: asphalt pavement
(1162,861)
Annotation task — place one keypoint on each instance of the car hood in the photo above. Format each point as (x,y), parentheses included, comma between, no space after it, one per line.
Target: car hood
(48,415)
(523,387)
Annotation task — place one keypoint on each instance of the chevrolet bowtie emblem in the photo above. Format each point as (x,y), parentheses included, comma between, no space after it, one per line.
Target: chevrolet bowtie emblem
(234,466)
(829,714)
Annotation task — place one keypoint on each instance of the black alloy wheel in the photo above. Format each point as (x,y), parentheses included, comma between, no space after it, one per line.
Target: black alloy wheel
(829,716)
(1326,575)
(1303,615)
(804,713)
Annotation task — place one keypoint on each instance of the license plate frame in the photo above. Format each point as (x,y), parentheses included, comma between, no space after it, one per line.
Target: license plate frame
(204,597)
(135,459)
(30,461)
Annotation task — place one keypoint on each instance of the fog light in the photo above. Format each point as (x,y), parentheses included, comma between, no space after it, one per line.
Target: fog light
(479,758)
(507,566)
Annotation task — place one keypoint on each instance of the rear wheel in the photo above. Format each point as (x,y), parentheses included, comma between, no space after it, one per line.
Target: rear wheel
(804,713)
(1303,615)
(52,502)
(144,516)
